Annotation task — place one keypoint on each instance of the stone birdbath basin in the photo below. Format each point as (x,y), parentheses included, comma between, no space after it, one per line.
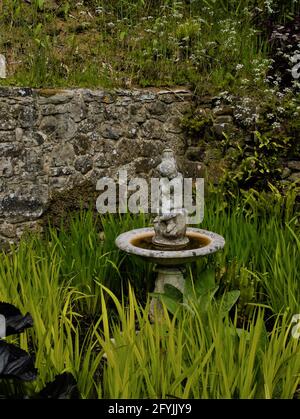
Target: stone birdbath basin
(139,242)
(170,243)
(169,263)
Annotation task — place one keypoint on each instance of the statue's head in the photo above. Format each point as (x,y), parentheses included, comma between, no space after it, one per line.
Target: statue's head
(168,166)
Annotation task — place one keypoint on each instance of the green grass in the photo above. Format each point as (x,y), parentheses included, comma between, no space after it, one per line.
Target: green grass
(81,291)
(135,43)
(79,256)
(193,357)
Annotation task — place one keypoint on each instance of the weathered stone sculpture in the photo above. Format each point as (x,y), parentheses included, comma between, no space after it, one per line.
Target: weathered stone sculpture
(170,224)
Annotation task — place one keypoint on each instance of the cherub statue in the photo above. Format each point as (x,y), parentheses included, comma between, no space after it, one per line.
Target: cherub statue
(170,224)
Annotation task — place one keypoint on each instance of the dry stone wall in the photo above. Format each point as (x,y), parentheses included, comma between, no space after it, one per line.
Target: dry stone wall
(55,140)
(56,144)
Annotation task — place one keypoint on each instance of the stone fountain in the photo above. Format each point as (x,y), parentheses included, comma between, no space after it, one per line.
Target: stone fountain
(170,244)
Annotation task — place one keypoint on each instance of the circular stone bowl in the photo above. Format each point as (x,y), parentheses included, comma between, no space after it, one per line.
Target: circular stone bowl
(212,243)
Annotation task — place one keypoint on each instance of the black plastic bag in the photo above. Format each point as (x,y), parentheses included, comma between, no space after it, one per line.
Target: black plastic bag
(14,320)
(16,363)
(63,387)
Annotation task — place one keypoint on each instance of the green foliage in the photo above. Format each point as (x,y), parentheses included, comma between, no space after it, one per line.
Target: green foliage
(196,124)
(88,301)
(66,277)
(267,137)
(254,227)
(199,295)
(142,42)
(257,163)
(145,42)
(194,357)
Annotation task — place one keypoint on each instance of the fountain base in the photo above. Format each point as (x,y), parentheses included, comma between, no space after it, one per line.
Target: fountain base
(163,244)
(165,275)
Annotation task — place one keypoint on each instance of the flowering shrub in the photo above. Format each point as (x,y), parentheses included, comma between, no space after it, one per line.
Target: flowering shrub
(285,52)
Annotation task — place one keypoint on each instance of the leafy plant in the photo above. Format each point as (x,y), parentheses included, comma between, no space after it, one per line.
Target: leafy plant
(65,279)
(199,294)
(189,356)
(256,164)
(196,124)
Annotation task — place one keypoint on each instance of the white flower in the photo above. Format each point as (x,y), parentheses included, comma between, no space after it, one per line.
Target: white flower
(248,121)
(239,67)
(276,125)
(268,5)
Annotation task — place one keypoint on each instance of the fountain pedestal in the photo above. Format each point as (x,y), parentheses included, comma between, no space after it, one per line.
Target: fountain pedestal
(165,275)
(169,263)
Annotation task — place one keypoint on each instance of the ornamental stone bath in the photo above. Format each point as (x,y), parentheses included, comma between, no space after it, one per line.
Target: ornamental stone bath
(170,244)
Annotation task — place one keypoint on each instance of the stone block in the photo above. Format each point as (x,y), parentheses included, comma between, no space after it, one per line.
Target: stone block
(63,155)
(152,129)
(223,119)
(83,164)
(221,128)
(2,67)
(6,168)
(26,203)
(294,165)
